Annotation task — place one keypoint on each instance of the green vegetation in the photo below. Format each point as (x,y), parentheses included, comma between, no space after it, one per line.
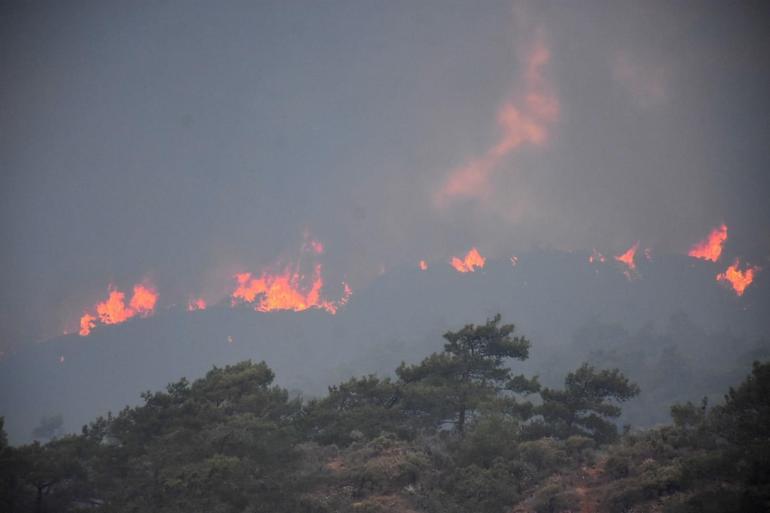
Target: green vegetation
(454,433)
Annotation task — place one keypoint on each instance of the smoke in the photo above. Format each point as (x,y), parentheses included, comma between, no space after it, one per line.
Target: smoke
(524,120)
(190,143)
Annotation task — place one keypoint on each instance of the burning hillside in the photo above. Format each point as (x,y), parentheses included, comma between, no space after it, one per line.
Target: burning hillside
(114,309)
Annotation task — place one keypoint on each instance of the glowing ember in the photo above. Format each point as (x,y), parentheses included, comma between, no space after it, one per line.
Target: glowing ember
(423,265)
(628,257)
(290,289)
(596,257)
(711,247)
(196,304)
(114,310)
(470,263)
(738,279)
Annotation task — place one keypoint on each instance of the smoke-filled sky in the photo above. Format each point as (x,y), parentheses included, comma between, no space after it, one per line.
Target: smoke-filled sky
(184,141)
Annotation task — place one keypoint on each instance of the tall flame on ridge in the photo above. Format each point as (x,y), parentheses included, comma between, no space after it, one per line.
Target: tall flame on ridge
(738,279)
(290,289)
(114,309)
(710,248)
(470,263)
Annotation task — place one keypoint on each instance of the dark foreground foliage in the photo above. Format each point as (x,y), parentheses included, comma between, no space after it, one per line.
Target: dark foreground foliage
(454,433)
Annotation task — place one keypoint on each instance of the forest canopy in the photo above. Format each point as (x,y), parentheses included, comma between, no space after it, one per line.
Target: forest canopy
(459,431)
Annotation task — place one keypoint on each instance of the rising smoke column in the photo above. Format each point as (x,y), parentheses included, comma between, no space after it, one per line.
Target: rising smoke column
(524,119)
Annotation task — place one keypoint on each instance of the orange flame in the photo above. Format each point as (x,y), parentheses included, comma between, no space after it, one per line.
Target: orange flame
(143,301)
(627,258)
(114,310)
(710,248)
(738,279)
(87,323)
(289,290)
(196,304)
(472,260)
(423,265)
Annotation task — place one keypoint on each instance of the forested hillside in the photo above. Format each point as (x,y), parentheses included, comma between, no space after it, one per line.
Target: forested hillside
(460,431)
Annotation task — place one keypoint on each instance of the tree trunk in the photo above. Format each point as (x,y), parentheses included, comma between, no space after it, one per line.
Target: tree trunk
(39,500)
(461,422)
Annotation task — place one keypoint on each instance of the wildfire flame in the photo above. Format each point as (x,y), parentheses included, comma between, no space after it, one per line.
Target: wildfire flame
(196,304)
(627,259)
(710,248)
(470,263)
(290,289)
(87,323)
(423,265)
(738,279)
(114,309)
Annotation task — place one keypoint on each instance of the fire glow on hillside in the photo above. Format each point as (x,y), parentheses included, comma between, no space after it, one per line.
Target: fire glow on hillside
(114,309)
(711,247)
(299,285)
(472,261)
(627,259)
(290,289)
(196,304)
(737,278)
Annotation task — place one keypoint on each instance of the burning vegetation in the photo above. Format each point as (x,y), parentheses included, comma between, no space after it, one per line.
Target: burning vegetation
(627,259)
(114,309)
(710,248)
(468,264)
(295,288)
(738,279)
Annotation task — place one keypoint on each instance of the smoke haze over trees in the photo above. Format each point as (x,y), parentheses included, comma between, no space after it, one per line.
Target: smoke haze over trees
(188,188)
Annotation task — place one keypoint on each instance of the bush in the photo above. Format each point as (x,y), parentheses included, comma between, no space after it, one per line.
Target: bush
(555,499)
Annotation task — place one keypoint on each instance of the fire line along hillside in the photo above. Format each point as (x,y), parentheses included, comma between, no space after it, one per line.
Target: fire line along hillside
(573,307)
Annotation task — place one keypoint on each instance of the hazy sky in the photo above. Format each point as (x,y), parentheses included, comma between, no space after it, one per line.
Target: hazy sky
(183,141)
